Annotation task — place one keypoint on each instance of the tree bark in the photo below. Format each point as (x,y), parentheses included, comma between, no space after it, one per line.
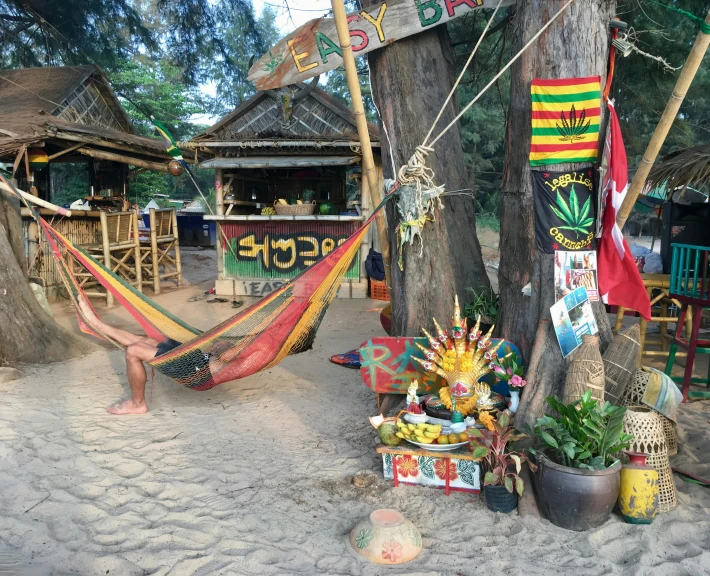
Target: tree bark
(576,45)
(410,81)
(27,333)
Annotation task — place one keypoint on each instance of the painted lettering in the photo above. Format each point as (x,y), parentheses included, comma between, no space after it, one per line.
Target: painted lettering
(309,255)
(451,4)
(284,245)
(357,33)
(422,7)
(326,46)
(570,178)
(560,238)
(302,56)
(377,22)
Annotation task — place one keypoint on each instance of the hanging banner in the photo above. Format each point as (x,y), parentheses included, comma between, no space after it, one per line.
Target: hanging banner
(564,210)
(314,48)
(565,120)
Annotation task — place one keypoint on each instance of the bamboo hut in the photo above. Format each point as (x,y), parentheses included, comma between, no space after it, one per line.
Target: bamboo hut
(296,143)
(69,115)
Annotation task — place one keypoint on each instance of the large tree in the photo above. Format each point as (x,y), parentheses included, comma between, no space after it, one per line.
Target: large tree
(575,45)
(410,82)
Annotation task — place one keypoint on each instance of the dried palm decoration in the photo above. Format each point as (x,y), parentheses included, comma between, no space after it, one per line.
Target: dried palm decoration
(620,361)
(689,167)
(585,372)
(461,359)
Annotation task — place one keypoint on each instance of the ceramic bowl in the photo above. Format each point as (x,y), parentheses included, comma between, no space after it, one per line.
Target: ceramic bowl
(416,418)
(386,537)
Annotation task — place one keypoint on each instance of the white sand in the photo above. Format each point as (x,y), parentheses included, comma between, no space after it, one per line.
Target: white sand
(254,477)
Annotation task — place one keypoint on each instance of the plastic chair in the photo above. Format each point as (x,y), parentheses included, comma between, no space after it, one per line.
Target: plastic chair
(690,284)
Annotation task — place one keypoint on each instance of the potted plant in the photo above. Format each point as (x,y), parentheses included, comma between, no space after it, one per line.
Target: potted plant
(510,369)
(502,483)
(485,304)
(577,482)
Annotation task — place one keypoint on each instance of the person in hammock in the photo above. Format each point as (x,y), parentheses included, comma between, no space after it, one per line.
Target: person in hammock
(139,349)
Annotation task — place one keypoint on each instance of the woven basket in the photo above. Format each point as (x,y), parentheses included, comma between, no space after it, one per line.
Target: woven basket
(620,362)
(294,209)
(585,372)
(671,436)
(647,428)
(633,395)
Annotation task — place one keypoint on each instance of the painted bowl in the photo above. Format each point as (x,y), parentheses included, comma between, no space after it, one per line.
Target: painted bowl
(386,537)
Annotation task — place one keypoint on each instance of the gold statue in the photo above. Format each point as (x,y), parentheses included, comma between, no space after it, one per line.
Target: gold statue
(461,360)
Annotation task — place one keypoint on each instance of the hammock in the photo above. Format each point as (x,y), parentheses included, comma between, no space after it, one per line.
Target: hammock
(259,337)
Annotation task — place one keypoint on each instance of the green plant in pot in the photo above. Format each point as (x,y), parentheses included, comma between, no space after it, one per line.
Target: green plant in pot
(577,482)
(485,304)
(502,483)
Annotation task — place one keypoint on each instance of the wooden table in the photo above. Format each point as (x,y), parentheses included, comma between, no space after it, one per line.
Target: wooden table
(453,471)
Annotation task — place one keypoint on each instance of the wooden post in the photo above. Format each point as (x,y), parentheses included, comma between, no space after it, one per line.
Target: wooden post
(107,252)
(219,195)
(176,244)
(154,253)
(368,161)
(690,68)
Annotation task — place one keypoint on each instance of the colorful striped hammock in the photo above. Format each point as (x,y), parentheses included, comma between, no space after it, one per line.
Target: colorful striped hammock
(259,337)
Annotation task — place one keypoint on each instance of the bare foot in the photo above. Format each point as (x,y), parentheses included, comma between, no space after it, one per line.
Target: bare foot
(128,407)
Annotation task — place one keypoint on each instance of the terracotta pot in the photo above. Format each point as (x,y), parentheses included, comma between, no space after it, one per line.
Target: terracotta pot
(574,498)
(498,499)
(386,537)
(638,494)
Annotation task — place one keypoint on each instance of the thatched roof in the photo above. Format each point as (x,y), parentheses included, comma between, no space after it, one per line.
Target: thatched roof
(26,92)
(689,167)
(316,116)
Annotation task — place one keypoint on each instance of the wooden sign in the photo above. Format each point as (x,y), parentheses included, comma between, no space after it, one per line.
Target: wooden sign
(386,366)
(314,49)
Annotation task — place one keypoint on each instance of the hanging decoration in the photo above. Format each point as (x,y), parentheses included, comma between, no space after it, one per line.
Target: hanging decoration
(564,210)
(565,120)
(176,169)
(37,158)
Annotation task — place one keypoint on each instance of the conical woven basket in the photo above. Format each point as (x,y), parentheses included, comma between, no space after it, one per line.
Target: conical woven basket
(620,361)
(646,427)
(585,372)
(671,436)
(636,388)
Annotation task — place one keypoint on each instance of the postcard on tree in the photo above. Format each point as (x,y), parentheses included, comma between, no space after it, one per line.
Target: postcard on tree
(576,269)
(572,318)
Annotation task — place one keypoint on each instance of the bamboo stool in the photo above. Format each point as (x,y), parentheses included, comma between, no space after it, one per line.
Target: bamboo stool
(162,250)
(660,284)
(119,250)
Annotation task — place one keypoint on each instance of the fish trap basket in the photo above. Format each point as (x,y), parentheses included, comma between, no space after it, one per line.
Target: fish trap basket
(620,361)
(378,290)
(646,426)
(295,209)
(671,436)
(633,395)
(585,372)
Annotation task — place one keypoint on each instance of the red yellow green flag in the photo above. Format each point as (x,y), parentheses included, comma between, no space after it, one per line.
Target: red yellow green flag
(565,120)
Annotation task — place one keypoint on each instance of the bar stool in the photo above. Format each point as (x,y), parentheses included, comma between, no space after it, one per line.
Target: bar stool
(162,249)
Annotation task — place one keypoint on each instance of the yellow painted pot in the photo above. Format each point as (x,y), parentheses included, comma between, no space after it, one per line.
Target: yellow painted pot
(638,494)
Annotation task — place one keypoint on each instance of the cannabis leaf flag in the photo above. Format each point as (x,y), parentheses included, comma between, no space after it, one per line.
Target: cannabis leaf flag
(620,283)
(564,210)
(565,120)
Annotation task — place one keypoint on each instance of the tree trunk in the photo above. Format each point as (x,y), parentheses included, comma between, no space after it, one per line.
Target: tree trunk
(12,222)
(410,81)
(575,45)
(27,333)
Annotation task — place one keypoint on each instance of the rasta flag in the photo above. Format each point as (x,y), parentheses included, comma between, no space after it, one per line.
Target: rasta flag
(565,120)
(564,210)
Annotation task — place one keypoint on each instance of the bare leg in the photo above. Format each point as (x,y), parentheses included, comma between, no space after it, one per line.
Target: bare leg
(136,354)
(123,337)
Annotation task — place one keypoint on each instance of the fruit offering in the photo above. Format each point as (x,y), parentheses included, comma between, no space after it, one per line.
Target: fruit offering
(422,433)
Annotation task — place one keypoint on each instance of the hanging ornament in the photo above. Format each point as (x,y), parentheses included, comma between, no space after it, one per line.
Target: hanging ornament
(37,158)
(176,168)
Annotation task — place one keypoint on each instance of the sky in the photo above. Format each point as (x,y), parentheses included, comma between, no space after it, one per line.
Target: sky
(287,19)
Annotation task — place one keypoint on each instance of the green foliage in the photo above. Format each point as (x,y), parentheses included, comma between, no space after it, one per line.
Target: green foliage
(485,303)
(586,434)
(501,465)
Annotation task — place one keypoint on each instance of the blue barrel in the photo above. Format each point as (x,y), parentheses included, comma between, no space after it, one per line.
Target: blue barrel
(192,230)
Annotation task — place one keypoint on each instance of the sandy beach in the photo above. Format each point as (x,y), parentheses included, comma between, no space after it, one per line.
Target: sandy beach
(255,476)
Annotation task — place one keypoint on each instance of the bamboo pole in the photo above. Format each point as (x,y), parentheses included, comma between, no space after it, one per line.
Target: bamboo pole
(690,68)
(368,161)
(101,155)
(38,201)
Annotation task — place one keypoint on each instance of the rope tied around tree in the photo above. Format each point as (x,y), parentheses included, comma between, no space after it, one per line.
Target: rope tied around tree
(702,25)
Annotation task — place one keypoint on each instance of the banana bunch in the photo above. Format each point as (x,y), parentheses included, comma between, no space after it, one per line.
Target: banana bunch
(268,211)
(422,433)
